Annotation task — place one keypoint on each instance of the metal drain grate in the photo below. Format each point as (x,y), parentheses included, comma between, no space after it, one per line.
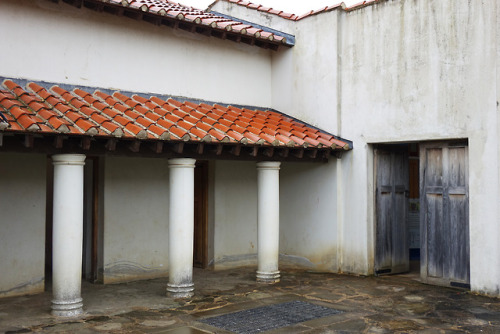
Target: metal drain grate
(265,318)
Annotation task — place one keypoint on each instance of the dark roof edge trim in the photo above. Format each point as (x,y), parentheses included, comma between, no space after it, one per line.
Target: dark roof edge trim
(290,39)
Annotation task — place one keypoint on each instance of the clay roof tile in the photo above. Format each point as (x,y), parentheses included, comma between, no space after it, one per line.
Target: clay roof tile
(100,114)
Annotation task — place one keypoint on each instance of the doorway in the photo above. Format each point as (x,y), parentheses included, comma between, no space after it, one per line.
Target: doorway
(200,250)
(92,221)
(422,211)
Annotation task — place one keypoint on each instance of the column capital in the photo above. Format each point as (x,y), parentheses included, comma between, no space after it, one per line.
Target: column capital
(68,159)
(181,163)
(268,165)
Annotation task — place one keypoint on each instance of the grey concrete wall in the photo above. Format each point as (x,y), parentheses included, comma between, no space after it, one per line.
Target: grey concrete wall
(22,223)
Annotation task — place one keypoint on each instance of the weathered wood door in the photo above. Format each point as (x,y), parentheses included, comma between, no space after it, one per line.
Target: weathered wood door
(200,256)
(392,181)
(444,203)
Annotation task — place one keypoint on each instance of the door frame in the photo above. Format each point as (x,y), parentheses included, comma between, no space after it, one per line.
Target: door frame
(96,229)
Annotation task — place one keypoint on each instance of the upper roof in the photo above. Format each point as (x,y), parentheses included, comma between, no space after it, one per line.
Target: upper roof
(294,17)
(172,14)
(42,109)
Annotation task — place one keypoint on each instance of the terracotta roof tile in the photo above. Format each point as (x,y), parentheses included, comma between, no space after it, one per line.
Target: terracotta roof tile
(209,120)
(253,137)
(81,112)
(269,131)
(179,133)
(293,17)
(218,135)
(225,122)
(166,124)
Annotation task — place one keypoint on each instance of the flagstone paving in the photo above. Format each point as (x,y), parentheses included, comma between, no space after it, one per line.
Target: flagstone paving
(390,304)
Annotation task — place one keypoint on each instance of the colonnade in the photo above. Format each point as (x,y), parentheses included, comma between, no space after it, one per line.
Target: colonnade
(68,229)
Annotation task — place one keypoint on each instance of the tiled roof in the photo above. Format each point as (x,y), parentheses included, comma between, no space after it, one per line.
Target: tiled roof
(100,114)
(172,14)
(293,17)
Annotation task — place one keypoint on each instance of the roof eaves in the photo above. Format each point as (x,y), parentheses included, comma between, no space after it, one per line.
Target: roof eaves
(106,114)
(175,15)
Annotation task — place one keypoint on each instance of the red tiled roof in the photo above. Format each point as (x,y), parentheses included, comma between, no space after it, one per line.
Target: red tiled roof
(188,18)
(293,17)
(36,109)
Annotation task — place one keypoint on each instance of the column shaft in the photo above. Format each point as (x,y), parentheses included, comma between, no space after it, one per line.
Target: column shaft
(181,228)
(67,234)
(268,221)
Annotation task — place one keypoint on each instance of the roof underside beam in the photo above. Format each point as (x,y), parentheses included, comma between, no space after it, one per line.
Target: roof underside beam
(59,144)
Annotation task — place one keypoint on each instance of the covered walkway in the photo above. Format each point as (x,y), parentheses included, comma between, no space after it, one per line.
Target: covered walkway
(368,304)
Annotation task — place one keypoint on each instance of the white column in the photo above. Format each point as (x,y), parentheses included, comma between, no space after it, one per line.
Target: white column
(181,228)
(67,234)
(268,221)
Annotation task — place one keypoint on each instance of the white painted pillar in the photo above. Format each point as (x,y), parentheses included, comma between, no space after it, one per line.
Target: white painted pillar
(67,234)
(268,221)
(181,228)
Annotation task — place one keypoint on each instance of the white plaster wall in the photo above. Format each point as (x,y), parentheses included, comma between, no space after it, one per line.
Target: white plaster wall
(102,50)
(305,77)
(308,224)
(495,247)
(416,71)
(235,214)
(135,218)
(22,223)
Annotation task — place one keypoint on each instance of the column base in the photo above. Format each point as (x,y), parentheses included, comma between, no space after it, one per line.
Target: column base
(268,277)
(180,290)
(67,308)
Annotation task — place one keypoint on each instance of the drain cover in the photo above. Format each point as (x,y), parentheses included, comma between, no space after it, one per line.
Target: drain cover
(265,318)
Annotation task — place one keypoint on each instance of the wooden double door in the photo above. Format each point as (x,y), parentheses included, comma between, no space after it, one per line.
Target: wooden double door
(444,212)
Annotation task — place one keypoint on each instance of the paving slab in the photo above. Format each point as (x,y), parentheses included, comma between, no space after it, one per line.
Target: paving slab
(390,304)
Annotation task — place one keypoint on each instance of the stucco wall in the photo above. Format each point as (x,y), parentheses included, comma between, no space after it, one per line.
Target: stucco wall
(495,247)
(418,71)
(305,77)
(103,50)
(135,218)
(308,224)
(400,71)
(235,214)
(22,223)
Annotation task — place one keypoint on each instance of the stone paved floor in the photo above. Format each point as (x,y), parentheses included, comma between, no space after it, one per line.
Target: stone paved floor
(390,304)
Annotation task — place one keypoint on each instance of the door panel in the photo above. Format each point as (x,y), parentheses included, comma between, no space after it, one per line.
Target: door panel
(391,244)
(445,222)
(434,212)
